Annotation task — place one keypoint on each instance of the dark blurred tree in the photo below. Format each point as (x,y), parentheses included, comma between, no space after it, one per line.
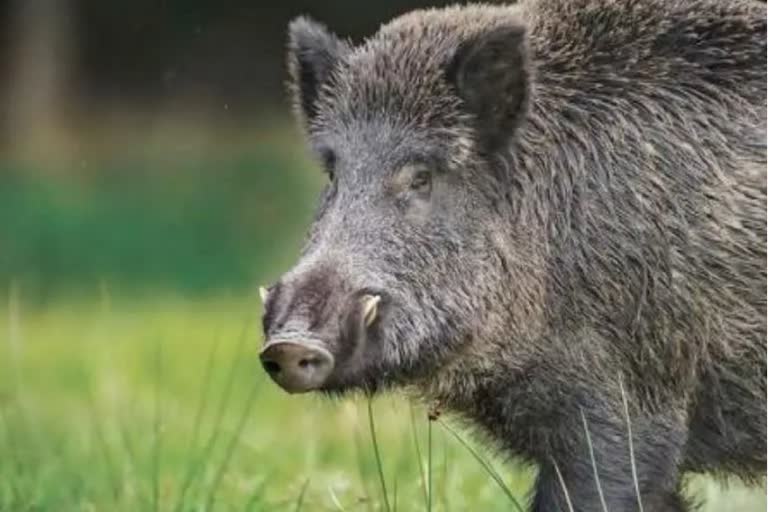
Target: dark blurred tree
(39,59)
(155,50)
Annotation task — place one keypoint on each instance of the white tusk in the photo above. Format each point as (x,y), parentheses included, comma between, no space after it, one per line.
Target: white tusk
(370,308)
(263,294)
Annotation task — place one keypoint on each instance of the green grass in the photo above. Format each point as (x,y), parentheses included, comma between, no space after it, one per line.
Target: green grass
(160,405)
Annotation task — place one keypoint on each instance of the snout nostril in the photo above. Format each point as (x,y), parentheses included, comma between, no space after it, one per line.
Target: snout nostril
(311,361)
(271,367)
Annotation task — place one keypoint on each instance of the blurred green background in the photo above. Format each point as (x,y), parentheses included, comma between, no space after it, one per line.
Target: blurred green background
(150,179)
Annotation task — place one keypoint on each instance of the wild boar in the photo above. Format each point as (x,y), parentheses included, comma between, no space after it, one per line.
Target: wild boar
(538,215)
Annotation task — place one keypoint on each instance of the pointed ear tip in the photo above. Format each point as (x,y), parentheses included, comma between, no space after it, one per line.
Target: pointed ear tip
(304,27)
(507,34)
(300,23)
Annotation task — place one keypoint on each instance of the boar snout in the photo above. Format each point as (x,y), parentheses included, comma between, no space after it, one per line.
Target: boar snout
(297,366)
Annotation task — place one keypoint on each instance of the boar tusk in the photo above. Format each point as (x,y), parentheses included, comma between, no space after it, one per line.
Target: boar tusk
(370,308)
(263,294)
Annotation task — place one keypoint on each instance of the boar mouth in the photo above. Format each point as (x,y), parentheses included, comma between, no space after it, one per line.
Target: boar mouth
(301,361)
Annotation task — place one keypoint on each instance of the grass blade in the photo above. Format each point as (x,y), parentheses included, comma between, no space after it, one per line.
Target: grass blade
(486,465)
(562,484)
(201,410)
(256,495)
(394,495)
(594,463)
(231,448)
(359,452)
(445,476)
(125,437)
(379,465)
(103,446)
(198,462)
(422,476)
(156,446)
(429,466)
(10,447)
(204,392)
(300,498)
(631,446)
(335,500)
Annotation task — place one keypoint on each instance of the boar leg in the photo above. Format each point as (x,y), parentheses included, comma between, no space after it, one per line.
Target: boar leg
(609,484)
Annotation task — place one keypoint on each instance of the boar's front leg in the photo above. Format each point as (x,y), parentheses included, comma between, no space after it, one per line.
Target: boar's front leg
(568,479)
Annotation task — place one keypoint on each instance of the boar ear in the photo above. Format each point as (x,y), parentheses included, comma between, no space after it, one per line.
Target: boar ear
(490,73)
(313,53)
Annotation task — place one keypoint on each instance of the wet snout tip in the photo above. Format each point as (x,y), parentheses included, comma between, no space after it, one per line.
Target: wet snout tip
(370,308)
(297,366)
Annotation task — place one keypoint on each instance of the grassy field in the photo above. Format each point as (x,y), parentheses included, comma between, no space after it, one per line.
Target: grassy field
(118,405)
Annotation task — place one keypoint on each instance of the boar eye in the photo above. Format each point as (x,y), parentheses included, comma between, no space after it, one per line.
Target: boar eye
(329,164)
(422,181)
